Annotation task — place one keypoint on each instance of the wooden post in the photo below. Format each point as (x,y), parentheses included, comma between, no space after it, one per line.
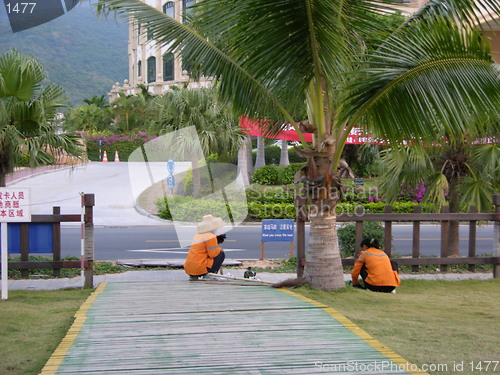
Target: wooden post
(24,244)
(291,249)
(56,241)
(301,235)
(89,203)
(261,251)
(472,239)
(496,235)
(444,238)
(388,233)
(415,252)
(359,238)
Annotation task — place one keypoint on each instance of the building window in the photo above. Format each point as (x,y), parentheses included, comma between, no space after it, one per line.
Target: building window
(168,67)
(185,5)
(139,32)
(151,69)
(139,67)
(149,33)
(168,9)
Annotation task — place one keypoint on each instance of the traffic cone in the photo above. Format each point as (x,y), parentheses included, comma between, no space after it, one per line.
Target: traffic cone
(105,157)
(117,159)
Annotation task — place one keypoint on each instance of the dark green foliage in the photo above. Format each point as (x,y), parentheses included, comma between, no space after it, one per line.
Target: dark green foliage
(125,145)
(267,175)
(288,173)
(80,53)
(294,158)
(347,236)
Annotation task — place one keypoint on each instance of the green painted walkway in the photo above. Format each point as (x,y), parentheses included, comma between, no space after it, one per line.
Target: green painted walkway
(194,328)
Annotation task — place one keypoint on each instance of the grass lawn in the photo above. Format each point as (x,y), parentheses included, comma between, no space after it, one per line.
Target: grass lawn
(32,324)
(429,322)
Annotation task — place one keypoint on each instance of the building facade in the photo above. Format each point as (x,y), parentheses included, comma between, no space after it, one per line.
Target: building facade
(152,66)
(158,69)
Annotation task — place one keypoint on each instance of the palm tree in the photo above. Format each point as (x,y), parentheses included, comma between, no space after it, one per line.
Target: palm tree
(433,72)
(214,123)
(468,174)
(27,109)
(284,154)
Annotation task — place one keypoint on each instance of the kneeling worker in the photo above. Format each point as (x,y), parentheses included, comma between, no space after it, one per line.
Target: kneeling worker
(377,270)
(205,255)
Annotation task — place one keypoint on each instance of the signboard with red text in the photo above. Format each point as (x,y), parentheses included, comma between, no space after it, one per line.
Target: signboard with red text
(15,205)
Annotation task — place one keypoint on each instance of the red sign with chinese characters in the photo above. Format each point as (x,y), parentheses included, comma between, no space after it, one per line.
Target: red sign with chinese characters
(15,205)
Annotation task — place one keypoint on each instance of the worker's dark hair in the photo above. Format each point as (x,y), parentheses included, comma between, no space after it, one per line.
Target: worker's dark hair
(370,242)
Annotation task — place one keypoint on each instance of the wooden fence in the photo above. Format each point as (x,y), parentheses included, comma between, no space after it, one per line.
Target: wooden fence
(417,218)
(57,264)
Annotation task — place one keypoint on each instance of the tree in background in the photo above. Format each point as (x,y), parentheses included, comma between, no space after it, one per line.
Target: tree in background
(27,109)
(432,74)
(214,121)
(457,172)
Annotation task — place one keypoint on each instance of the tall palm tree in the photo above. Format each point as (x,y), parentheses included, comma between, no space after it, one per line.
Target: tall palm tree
(434,71)
(213,120)
(27,108)
(468,173)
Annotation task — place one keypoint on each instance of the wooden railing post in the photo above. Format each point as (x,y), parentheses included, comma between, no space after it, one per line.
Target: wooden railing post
(24,247)
(359,230)
(388,233)
(56,241)
(301,235)
(88,235)
(496,235)
(444,237)
(472,239)
(415,252)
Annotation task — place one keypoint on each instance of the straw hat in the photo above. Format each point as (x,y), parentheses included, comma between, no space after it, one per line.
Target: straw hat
(209,223)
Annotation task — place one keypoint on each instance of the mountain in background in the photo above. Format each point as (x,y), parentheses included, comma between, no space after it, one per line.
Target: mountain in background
(81,53)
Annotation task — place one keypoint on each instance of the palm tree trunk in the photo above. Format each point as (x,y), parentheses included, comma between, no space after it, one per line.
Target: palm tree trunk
(284,162)
(196,178)
(323,269)
(261,157)
(249,156)
(454,225)
(243,162)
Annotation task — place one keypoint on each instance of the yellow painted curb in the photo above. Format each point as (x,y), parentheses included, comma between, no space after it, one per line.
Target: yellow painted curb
(61,351)
(393,356)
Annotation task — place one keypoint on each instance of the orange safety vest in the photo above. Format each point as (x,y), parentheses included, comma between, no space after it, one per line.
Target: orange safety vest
(378,267)
(201,254)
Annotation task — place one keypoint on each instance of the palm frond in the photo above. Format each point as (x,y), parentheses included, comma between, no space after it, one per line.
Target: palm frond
(476,191)
(436,190)
(404,165)
(427,78)
(22,75)
(472,13)
(488,158)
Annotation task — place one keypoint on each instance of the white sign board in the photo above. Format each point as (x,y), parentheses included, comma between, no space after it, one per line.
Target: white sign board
(14,207)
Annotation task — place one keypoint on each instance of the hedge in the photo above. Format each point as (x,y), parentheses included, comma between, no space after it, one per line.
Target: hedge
(190,209)
(122,143)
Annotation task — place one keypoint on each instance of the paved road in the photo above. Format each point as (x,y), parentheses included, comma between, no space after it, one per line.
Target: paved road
(116,187)
(159,242)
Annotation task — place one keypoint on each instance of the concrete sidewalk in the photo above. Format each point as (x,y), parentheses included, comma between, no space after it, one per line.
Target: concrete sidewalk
(179,275)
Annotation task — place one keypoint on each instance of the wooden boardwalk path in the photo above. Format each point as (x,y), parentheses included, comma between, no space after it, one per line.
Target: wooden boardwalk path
(195,328)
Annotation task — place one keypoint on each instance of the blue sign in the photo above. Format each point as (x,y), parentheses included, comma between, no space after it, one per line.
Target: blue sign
(39,238)
(170,182)
(277,230)
(170,165)
(100,142)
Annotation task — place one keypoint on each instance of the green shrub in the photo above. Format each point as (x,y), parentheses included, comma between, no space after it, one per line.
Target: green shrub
(288,173)
(266,175)
(347,236)
(294,158)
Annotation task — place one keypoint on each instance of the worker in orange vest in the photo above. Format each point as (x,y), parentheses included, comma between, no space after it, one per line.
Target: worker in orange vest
(205,255)
(378,272)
